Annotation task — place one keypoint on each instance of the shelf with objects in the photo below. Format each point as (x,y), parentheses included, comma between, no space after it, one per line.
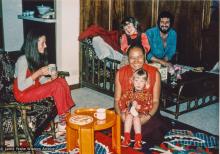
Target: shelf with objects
(32,18)
(41,11)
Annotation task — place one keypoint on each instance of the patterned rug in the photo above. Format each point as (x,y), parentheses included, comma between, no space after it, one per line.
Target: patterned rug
(178,137)
(48,145)
(178,141)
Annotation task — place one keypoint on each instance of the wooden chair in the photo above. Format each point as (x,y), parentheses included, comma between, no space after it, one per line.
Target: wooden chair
(17,119)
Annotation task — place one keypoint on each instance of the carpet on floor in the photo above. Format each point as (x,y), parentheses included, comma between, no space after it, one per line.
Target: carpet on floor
(178,140)
(49,145)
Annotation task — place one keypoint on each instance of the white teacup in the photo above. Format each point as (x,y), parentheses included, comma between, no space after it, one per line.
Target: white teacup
(100,114)
(52,69)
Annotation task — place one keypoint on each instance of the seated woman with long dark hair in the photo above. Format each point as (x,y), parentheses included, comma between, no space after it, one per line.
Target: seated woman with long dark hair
(31,69)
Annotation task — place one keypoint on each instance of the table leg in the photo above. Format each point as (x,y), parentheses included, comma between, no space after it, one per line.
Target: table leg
(86,140)
(71,138)
(116,135)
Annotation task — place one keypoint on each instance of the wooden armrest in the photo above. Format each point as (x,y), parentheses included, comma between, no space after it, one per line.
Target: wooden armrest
(63,74)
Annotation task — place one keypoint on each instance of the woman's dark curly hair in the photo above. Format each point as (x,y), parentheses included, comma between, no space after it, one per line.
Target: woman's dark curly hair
(35,59)
(127,20)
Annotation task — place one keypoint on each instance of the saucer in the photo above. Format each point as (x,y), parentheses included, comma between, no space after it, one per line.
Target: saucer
(81,119)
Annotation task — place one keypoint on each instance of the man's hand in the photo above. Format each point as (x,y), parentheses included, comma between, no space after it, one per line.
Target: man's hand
(163,62)
(167,64)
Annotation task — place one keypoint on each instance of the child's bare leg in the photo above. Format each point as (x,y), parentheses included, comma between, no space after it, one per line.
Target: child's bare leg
(137,125)
(127,129)
(128,123)
(137,130)
(123,116)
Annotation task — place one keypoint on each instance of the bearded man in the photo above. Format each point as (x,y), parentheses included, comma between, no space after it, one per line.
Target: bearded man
(162,39)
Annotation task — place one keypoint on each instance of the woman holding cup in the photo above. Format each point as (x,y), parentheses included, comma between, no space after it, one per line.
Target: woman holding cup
(31,69)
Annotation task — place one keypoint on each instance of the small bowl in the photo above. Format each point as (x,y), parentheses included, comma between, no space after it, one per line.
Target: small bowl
(31,13)
(43,9)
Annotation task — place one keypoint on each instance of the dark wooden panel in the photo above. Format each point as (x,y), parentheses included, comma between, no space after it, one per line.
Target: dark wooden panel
(210,42)
(94,12)
(117,13)
(141,10)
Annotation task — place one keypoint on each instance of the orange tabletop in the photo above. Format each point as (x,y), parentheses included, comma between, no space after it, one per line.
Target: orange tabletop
(85,133)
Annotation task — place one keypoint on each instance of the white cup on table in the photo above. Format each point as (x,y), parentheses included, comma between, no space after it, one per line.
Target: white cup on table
(100,114)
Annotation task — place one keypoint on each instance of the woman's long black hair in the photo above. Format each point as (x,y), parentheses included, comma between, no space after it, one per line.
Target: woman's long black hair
(35,59)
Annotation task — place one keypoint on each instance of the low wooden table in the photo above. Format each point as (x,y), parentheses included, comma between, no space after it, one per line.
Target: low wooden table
(190,89)
(84,134)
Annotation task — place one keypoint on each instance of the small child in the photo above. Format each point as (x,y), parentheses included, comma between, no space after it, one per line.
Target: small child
(133,36)
(133,104)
